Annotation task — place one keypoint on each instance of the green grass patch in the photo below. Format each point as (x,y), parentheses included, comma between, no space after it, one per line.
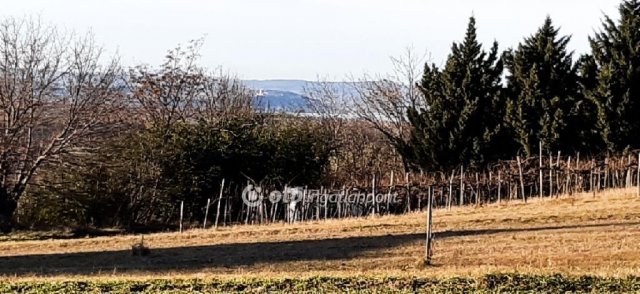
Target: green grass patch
(489,283)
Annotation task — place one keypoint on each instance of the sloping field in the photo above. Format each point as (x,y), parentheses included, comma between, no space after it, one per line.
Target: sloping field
(572,236)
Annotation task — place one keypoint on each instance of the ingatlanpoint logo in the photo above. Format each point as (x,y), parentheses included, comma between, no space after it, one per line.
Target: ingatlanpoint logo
(254,196)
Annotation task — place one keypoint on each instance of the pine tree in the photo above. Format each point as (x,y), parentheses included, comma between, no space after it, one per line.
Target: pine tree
(545,104)
(461,122)
(616,94)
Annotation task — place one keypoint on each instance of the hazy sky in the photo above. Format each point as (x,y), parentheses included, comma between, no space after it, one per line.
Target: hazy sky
(304,39)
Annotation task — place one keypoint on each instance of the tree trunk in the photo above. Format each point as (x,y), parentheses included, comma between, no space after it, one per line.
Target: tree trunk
(8,207)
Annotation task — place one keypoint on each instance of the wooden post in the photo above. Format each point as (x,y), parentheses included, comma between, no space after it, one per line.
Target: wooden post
(389,192)
(373,193)
(181,214)
(219,201)
(477,190)
(524,196)
(550,175)
(461,185)
(227,213)
(450,190)
(580,177)
(317,202)
(499,186)
(488,187)
(629,171)
(326,203)
(558,175)
(305,208)
(591,181)
(567,185)
(339,204)
(599,179)
(638,174)
(206,214)
(541,174)
(429,240)
(406,181)
(606,174)
(275,207)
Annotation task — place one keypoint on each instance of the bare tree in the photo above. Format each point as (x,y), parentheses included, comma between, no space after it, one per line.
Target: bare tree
(383,100)
(55,95)
(182,91)
(329,101)
(223,96)
(179,92)
(166,95)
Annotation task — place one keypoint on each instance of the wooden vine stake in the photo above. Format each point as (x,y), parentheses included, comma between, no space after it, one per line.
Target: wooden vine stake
(206,214)
(461,185)
(453,174)
(373,194)
(428,252)
(406,181)
(181,214)
(219,201)
(541,175)
(389,192)
(524,196)
(499,187)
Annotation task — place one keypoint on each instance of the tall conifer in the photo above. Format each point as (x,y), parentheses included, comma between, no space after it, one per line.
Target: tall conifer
(616,93)
(461,122)
(545,104)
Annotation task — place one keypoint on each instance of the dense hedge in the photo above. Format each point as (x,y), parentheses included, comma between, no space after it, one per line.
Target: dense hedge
(141,177)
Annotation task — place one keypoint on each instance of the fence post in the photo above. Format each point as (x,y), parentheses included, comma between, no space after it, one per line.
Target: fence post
(219,201)
(206,214)
(558,183)
(550,175)
(181,214)
(406,181)
(462,185)
(569,189)
(541,175)
(524,195)
(428,251)
(389,192)
(373,193)
(499,186)
(477,190)
(450,189)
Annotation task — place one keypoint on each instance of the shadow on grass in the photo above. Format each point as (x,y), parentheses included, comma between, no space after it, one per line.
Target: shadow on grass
(76,233)
(233,256)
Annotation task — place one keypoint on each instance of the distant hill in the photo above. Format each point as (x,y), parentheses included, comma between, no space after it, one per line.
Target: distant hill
(286,95)
(285,101)
(293,86)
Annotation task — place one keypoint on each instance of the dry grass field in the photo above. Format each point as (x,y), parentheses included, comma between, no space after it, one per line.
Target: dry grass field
(576,235)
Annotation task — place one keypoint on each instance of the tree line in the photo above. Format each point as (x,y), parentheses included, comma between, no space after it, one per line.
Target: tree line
(87,142)
(482,106)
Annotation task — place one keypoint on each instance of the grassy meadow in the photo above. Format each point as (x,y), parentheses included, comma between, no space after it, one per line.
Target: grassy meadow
(584,241)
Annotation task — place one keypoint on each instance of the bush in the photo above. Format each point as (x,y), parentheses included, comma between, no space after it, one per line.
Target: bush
(141,177)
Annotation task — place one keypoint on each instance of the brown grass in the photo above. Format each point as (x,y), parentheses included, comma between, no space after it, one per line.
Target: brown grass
(574,235)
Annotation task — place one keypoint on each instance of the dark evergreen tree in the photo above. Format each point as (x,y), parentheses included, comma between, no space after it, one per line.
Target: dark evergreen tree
(461,120)
(616,93)
(545,104)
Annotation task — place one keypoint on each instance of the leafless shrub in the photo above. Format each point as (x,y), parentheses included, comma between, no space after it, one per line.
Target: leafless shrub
(57,94)
(383,100)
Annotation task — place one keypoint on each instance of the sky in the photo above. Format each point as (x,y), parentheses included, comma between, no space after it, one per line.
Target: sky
(308,39)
